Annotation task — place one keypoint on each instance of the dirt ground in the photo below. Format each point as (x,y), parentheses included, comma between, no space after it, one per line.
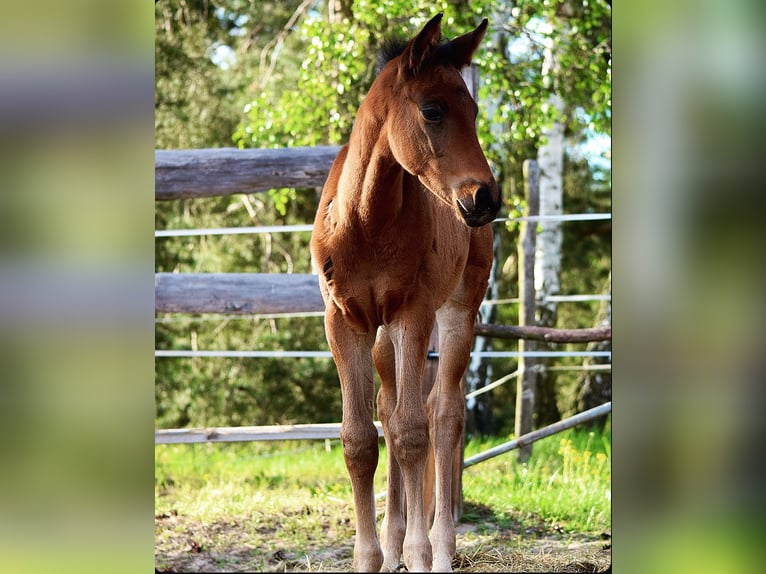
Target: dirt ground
(185,545)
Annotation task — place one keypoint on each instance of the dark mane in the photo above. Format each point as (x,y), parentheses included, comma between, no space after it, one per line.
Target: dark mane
(393,47)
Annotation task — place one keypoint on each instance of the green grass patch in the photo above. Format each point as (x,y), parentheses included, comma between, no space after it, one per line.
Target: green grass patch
(288,507)
(566,483)
(211,480)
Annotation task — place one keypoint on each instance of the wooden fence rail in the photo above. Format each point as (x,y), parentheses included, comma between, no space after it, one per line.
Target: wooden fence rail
(192,173)
(547,334)
(332,431)
(533,436)
(252,433)
(236,293)
(267,293)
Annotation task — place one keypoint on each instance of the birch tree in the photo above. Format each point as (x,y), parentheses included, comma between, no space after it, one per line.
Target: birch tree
(572,86)
(550,158)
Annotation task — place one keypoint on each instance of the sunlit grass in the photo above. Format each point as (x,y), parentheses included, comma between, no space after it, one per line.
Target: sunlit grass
(566,482)
(210,480)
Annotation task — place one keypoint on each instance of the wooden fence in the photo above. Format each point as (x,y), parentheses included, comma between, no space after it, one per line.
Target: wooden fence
(272,293)
(184,174)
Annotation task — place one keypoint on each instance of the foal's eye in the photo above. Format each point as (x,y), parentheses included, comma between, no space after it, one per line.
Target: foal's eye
(431,113)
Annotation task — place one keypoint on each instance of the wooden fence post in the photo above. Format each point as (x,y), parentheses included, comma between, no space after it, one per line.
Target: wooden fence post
(525,389)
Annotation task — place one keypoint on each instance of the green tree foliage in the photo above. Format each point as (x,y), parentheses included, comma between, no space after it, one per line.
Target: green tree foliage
(190,98)
(299,73)
(199,104)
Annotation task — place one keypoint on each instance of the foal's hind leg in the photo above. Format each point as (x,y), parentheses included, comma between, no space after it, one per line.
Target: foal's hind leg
(408,425)
(352,353)
(393,528)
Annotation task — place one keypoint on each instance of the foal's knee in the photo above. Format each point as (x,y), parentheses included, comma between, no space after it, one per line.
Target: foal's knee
(446,417)
(410,440)
(360,449)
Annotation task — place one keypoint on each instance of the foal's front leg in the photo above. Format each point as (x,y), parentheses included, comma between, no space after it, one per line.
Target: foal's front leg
(446,406)
(352,353)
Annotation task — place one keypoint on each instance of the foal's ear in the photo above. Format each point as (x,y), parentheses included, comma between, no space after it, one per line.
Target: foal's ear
(461,49)
(422,47)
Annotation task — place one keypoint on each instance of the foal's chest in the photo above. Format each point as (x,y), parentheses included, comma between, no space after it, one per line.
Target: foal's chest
(372,280)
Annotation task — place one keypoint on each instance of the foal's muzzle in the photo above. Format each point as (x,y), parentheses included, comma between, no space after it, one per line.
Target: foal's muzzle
(481,206)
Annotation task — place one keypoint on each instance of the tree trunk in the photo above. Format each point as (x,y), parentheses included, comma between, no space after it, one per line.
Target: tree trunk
(527,379)
(548,255)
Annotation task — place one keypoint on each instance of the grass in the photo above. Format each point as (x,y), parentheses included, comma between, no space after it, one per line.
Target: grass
(566,482)
(278,506)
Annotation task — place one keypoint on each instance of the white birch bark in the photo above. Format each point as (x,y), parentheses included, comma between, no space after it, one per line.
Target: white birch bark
(550,158)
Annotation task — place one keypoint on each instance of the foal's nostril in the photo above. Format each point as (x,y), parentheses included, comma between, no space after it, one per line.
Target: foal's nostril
(483,199)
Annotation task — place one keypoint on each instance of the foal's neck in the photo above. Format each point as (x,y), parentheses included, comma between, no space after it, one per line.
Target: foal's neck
(370,186)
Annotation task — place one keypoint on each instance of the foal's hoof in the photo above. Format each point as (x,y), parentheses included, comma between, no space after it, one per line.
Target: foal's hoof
(371,562)
(419,565)
(442,566)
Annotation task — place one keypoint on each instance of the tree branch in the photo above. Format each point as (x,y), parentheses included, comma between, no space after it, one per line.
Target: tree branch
(275,45)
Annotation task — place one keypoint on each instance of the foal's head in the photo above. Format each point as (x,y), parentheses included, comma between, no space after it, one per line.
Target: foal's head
(430,120)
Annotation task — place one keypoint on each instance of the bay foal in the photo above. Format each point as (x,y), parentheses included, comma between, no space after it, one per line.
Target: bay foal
(401,240)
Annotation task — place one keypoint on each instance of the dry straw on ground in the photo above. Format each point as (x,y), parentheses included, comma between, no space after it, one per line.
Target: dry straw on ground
(187,545)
